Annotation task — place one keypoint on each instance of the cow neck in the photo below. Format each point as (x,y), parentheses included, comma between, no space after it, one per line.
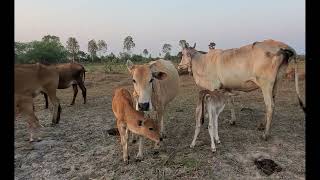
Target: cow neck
(198,67)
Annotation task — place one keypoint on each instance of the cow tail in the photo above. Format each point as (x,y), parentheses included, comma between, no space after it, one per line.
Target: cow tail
(288,55)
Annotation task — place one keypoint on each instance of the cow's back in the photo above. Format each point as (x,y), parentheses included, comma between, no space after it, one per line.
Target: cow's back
(167,89)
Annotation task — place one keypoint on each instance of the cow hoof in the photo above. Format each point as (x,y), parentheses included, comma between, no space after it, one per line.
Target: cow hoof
(265,137)
(155,152)
(232,123)
(71,104)
(163,136)
(261,127)
(218,141)
(133,141)
(213,150)
(138,158)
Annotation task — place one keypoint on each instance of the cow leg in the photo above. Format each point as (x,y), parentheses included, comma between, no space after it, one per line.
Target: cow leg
(26,107)
(133,138)
(198,125)
(46,99)
(268,99)
(212,115)
(75,92)
(56,105)
(84,91)
(233,114)
(140,153)
(160,115)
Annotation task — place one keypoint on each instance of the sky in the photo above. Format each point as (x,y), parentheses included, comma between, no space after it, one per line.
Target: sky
(151,23)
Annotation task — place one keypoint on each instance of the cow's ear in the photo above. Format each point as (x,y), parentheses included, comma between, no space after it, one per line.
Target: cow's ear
(130,65)
(140,123)
(159,75)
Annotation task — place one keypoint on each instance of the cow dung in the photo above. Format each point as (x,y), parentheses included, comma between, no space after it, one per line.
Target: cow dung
(267,166)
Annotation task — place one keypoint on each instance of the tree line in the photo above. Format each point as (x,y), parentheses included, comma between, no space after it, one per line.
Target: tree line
(50,50)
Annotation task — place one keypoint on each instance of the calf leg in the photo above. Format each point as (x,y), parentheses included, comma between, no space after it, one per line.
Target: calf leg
(233,114)
(123,131)
(211,128)
(140,153)
(198,125)
(75,92)
(84,91)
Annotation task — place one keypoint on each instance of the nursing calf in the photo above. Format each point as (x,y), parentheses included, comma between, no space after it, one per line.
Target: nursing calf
(128,119)
(29,81)
(213,102)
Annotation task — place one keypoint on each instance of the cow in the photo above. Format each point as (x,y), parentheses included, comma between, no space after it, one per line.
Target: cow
(213,103)
(248,68)
(71,74)
(29,81)
(129,119)
(155,85)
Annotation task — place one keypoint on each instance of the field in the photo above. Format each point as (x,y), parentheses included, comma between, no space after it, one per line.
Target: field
(80,148)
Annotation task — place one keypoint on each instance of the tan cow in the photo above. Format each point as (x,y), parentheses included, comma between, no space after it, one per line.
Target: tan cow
(155,85)
(128,119)
(29,81)
(71,74)
(213,103)
(258,65)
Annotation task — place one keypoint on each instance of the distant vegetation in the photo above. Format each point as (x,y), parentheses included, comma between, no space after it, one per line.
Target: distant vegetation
(51,50)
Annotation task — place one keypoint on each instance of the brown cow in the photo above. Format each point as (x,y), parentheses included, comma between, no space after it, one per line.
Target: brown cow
(71,74)
(254,66)
(128,119)
(29,81)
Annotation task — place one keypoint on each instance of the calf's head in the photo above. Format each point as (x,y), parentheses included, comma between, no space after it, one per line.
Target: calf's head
(148,128)
(143,78)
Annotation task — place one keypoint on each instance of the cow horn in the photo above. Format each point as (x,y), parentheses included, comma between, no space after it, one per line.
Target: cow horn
(194,46)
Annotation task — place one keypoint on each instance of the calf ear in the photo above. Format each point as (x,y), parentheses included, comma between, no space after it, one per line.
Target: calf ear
(130,65)
(159,75)
(140,123)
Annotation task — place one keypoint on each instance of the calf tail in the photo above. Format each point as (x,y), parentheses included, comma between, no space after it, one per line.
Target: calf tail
(201,99)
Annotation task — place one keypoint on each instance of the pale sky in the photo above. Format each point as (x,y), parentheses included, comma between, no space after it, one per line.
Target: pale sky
(229,23)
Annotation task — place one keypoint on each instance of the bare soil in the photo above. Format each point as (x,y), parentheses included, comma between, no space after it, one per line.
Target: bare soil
(79,147)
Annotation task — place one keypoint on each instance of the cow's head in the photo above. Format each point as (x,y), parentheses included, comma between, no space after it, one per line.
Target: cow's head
(187,53)
(150,129)
(143,78)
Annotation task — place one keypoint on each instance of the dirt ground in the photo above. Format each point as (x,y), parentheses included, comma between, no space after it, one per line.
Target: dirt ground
(79,147)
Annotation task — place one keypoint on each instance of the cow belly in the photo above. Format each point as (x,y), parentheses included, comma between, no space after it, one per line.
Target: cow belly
(245,86)
(64,84)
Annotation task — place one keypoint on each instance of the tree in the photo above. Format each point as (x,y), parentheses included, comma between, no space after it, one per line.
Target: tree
(73,48)
(128,44)
(92,48)
(145,52)
(183,43)
(50,38)
(102,46)
(166,48)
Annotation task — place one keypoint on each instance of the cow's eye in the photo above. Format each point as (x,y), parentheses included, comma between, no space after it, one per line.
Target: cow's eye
(151,129)
(151,80)
(134,81)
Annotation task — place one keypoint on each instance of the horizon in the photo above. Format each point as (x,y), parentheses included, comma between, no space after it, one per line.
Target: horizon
(151,24)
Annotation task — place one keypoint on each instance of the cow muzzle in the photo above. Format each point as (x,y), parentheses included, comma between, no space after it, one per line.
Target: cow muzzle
(143,106)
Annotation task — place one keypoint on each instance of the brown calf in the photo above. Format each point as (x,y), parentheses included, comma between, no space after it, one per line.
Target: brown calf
(128,119)
(71,74)
(29,81)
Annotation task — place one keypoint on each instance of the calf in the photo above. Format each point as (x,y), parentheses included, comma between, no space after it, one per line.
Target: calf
(213,102)
(29,81)
(71,74)
(128,119)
